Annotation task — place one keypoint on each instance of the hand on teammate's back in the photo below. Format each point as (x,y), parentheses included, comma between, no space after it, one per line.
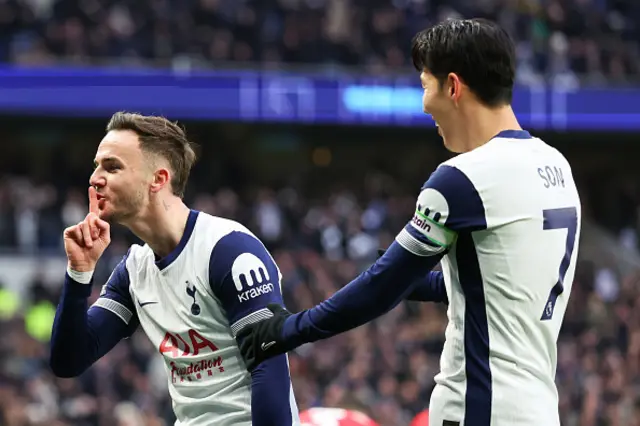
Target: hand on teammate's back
(85,242)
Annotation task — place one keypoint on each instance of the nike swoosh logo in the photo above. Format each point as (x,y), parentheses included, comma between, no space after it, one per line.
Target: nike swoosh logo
(266,346)
(145,303)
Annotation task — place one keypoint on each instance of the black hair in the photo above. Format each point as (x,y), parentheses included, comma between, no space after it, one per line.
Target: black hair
(478,51)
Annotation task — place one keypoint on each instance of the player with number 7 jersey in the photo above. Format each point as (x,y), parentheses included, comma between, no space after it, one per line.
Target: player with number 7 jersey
(504,221)
(503,218)
(508,213)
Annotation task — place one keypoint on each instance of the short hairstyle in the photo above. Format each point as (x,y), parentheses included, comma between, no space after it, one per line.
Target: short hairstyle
(479,51)
(161,137)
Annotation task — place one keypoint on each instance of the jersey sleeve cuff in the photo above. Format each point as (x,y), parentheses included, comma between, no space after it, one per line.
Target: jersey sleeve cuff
(416,243)
(252,318)
(115,308)
(80,277)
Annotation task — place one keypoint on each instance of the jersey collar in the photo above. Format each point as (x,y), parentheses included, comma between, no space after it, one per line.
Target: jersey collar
(513,134)
(188,230)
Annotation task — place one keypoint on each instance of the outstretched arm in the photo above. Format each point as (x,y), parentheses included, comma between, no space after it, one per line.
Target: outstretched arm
(373,293)
(448,206)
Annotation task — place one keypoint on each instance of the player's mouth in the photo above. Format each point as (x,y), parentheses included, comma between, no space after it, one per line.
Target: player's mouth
(101,200)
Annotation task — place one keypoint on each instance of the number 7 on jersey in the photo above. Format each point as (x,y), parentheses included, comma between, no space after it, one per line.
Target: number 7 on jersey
(565,218)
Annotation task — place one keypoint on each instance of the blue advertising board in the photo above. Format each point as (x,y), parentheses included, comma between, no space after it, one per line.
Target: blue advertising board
(267,96)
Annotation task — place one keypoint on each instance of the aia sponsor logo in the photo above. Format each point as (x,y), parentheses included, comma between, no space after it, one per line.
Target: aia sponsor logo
(176,345)
(196,370)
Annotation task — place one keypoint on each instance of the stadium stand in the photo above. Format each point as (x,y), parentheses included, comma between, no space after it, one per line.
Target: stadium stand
(320,238)
(595,39)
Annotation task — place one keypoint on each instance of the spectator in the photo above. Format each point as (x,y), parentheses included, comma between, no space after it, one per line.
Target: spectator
(594,39)
(388,365)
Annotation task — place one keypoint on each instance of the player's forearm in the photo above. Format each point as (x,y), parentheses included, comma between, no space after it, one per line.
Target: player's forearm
(271,396)
(373,293)
(74,343)
(430,288)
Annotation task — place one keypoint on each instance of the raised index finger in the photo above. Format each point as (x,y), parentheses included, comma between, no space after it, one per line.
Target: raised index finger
(93,200)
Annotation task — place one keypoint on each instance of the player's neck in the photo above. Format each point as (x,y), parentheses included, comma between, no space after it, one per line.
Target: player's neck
(483,124)
(162,225)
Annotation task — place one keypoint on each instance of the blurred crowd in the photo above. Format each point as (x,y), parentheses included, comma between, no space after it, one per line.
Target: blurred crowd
(596,39)
(320,244)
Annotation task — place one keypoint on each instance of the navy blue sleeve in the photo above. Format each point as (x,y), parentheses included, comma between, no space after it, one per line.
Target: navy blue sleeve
(427,289)
(430,288)
(245,278)
(449,199)
(81,336)
(446,207)
(373,293)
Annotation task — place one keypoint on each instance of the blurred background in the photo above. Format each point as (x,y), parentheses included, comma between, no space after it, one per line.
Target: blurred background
(309,120)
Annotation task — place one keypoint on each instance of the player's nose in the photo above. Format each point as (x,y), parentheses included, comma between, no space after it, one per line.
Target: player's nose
(96,180)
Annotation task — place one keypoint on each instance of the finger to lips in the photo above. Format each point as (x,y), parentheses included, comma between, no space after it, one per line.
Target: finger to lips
(93,220)
(93,201)
(94,211)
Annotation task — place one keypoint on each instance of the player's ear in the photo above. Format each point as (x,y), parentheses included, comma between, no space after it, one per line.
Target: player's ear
(161,178)
(454,87)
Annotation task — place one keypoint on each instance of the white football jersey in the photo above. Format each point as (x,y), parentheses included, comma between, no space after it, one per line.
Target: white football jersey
(191,305)
(508,215)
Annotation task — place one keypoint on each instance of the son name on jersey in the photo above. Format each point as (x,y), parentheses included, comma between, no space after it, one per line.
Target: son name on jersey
(552,176)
